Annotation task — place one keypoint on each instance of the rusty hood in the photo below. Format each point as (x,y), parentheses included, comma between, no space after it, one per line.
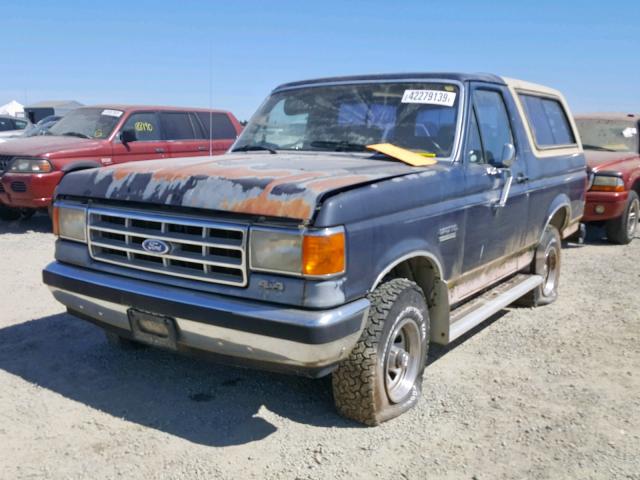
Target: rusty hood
(286,185)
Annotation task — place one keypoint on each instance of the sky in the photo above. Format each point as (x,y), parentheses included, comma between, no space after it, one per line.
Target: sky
(231,54)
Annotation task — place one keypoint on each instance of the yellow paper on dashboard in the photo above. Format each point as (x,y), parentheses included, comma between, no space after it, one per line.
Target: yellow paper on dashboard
(407,156)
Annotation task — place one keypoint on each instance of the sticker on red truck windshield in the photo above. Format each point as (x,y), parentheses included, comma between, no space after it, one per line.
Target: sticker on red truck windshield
(112,113)
(629,132)
(431,97)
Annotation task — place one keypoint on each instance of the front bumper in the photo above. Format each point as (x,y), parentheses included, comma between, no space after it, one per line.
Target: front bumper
(24,190)
(243,332)
(612,205)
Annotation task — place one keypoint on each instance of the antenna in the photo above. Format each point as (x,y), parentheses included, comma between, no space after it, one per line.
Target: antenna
(210,98)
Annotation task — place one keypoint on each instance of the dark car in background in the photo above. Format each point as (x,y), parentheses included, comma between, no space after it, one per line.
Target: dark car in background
(612,149)
(12,126)
(91,137)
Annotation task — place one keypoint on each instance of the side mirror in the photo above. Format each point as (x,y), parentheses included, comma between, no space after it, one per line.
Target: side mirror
(508,156)
(127,136)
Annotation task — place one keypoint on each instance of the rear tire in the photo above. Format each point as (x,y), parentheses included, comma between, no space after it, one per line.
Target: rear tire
(546,263)
(8,213)
(621,230)
(382,377)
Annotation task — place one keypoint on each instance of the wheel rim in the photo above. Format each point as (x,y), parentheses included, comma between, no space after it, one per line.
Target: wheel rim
(632,218)
(551,270)
(403,360)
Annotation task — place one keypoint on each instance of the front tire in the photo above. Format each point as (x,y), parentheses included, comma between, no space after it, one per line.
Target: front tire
(8,213)
(621,230)
(546,263)
(382,377)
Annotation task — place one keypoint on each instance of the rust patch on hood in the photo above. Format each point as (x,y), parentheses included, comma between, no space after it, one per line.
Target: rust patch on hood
(284,185)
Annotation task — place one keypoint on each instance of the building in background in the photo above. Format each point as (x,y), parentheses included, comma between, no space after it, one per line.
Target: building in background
(37,111)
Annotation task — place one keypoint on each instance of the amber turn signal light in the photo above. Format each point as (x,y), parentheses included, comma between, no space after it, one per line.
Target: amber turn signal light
(607,188)
(323,254)
(55,220)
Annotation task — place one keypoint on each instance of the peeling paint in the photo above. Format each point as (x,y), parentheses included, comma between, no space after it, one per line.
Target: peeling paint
(287,185)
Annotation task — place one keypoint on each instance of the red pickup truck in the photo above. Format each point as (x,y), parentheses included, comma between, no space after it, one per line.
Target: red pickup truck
(90,137)
(611,145)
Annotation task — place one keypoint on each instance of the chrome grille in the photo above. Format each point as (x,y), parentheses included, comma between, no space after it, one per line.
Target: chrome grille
(199,249)
(5,160)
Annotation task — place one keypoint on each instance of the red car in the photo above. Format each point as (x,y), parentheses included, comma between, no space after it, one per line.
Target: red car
(611,145)
(89,137)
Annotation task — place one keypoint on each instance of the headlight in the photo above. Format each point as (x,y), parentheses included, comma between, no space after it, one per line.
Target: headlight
(70,222)
(30,165)
(310,253)
(607,183)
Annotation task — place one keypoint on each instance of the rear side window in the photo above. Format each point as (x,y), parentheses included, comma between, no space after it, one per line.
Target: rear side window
(548,121)
(218,124)
(146,126)
(177,126)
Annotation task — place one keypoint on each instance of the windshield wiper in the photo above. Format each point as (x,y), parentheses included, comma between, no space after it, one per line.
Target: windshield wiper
(75,134)
(341,146)
(253,148)
(597,147)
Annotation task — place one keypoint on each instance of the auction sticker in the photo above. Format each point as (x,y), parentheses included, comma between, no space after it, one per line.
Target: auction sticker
(431,97)
(112,113)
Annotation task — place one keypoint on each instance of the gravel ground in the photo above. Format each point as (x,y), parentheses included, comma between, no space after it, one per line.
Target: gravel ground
(552,392)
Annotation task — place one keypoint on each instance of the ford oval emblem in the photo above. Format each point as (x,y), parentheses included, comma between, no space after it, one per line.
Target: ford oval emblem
(153,245)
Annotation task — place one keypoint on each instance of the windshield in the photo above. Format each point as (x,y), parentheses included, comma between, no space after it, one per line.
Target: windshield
(87,123)
(415,116)
(608,135)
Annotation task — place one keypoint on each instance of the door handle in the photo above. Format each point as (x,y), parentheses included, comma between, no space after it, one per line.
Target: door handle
(521,178)
(202,148)
(159,150)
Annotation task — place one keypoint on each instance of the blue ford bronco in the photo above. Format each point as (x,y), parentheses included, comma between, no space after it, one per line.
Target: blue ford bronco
(353,222)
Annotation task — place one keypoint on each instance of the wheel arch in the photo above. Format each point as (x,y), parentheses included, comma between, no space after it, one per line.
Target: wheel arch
(559,215)
(423,268)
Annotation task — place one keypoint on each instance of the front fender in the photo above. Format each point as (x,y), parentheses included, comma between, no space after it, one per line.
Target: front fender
(80,165)
(406,250)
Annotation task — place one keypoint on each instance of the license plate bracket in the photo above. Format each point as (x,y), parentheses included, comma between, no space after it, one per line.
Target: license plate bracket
(153,329)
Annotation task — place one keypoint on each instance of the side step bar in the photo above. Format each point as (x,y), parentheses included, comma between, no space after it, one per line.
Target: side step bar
(470,314)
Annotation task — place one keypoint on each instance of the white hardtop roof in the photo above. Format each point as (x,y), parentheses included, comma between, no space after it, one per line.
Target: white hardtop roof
(532,87)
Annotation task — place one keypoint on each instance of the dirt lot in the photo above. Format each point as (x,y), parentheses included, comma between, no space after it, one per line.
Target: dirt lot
(547,393)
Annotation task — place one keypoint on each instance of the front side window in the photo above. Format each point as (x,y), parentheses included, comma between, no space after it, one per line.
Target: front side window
(177,126)
(20,124)
(608,135)
(475,152)
(145,125)
(418,116)
(493,123)
(548,121)
(87,123)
